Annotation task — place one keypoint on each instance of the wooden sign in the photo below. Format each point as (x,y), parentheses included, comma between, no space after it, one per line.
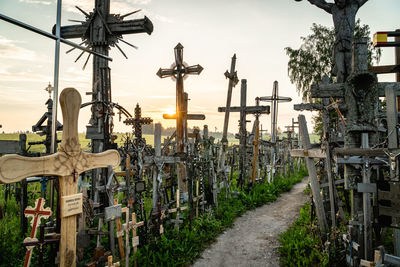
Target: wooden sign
(71,205)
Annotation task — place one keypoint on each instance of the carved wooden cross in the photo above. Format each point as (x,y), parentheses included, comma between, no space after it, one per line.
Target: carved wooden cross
(37,213)
(178,72)
(67,163)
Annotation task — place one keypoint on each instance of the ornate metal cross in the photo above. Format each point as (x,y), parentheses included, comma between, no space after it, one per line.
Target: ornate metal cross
(138,121)
(67,163)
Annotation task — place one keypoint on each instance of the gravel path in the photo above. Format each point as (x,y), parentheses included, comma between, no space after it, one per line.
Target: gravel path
(253,240)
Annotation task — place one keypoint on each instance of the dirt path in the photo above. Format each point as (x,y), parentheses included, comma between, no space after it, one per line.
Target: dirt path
(253,240)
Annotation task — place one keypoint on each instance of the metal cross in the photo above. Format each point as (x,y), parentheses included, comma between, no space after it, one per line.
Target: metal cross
(138,121)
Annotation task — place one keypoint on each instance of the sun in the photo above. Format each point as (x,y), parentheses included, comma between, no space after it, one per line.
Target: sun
(169,111)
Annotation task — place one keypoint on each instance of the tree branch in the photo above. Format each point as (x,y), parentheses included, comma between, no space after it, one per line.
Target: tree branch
(323,4)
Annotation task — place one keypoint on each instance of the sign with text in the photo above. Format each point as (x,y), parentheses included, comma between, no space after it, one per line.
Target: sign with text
(71,205)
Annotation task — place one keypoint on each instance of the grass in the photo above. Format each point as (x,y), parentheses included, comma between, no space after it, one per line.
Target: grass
(181,248)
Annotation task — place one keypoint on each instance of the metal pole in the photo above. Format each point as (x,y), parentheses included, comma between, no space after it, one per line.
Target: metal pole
(55,95)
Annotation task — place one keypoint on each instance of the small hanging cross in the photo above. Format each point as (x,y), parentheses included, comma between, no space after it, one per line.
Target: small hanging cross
(49,89)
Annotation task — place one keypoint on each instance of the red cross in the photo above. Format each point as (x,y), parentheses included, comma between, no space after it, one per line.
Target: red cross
(36,213)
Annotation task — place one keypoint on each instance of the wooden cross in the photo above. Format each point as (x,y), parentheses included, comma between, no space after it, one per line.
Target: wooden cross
(67,163)
(199,198)
(244,110)
(275,99)
(233,80)
(335,105)
(179,71)
(178,208)
(316,191)
(36,213)
(110,262)
(133,225)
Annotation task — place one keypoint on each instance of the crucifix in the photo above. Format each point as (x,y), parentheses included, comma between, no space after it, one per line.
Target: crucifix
(100,31)
(244,110)
(178,72)
(67,163)
(344,19)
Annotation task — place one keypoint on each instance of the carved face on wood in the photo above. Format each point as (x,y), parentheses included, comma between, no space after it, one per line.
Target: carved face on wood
(340,3)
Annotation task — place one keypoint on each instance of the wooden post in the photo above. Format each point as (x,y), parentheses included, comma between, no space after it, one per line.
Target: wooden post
(305,139)
(68,163)
(255,152)
(120,233)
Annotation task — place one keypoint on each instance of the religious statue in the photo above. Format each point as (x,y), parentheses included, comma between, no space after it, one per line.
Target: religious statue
(344,17)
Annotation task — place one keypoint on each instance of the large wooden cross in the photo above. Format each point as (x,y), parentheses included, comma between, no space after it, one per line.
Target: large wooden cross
(67,163)
(178,72)
(244,110)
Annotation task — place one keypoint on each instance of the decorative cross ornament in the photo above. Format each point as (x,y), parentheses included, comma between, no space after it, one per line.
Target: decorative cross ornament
(36,213)
(67,163)
(138,121)
(49,89)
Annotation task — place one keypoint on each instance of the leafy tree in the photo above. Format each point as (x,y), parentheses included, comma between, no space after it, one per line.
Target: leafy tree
(308,64)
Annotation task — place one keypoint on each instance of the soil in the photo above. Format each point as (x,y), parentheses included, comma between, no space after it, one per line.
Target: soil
(253,240)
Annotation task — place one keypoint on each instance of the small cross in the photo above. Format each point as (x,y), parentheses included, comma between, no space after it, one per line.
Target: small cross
(177,221)
(335,105)
(36,213)
(110,262)
(49,89)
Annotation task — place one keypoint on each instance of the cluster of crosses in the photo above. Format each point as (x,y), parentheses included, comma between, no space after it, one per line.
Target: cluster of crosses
(195,158)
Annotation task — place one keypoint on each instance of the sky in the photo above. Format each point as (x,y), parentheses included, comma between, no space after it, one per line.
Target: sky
(210,31)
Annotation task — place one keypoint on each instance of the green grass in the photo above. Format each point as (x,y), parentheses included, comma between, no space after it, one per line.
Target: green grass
(181,248)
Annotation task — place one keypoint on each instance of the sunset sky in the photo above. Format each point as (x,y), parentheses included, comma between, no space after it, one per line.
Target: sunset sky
(211,32)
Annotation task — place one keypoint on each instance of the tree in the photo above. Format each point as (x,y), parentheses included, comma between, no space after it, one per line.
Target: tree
(308,64)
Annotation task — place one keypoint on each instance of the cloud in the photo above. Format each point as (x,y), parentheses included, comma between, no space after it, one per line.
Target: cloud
(9,50)
(117,6)
(6,76)
(41,2)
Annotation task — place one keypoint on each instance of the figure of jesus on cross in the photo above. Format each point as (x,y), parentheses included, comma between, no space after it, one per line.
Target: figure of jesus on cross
(344,19)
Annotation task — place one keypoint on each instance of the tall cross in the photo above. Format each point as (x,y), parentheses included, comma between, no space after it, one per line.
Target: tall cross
(67,163)
(244,110)
(37,213)
(275,99)
(233,80)
(100,31)
(178,72)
